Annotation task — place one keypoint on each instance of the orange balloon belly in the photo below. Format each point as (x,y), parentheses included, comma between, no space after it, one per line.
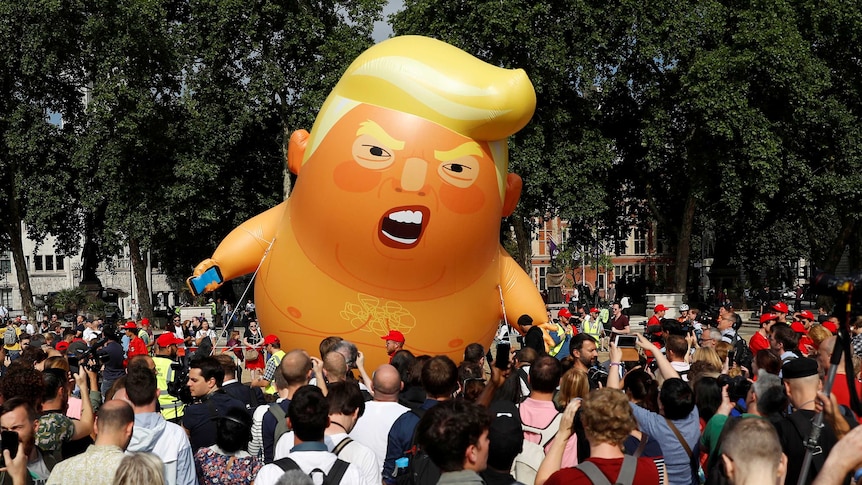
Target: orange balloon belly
(303,311)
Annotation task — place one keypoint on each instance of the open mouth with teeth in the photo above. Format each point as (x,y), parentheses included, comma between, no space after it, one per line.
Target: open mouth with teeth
(402,227)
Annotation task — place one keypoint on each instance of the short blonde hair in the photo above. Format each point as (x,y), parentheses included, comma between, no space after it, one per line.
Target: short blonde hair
(607,416)
(140,469)
(438,82)
(818,334)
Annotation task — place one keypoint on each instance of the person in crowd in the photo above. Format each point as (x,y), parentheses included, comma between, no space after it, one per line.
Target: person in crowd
(204,331)
(677,428)
(380,414)
(440,381)
(585,354)
(153,434)
(607,419)
(539,410)
(308,417)
(346,406)
(140,468)
(227,461)
(137,346)
(296,368)
(113,428)
(253,341)
(17,415)
(752,454)
(394,342)
(454,434)
(619,322)
(206,376)
(113,357)
(784,341)
(167,347)
(505,442)
(842,460)
(252,397)
(801,382)
(273,347)
(55,427)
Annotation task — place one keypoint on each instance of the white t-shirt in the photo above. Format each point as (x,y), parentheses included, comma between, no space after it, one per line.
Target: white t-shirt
(308,461)
(372,429)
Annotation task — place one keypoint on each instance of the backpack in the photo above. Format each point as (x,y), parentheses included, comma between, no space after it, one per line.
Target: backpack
(281,423)
(596,477)
(741,353)
(336,473)
(10,336)
(527,462)
(420,470)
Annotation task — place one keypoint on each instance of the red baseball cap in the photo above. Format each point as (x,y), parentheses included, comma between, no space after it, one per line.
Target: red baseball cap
(394,335)
(806,314)
(130,325)
(830,325)
(145,322)
(767,317)
(661,308)
(167,339)
(270,339)
(594,310)
(564,313)
(62,346)
(798,327)
(780,307)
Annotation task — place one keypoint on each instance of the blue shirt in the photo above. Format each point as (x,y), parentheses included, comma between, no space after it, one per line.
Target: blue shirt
(678,463)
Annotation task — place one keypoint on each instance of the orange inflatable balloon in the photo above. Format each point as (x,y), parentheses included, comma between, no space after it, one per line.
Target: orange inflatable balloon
(394,220)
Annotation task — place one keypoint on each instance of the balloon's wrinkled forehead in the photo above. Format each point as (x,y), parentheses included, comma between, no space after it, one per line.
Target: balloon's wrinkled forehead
(435,81)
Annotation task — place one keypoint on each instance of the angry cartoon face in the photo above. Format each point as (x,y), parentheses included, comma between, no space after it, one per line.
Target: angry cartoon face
(408,205)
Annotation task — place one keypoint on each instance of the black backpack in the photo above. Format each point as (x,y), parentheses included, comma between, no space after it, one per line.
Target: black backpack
(336,473)
(420,469)
(741,353)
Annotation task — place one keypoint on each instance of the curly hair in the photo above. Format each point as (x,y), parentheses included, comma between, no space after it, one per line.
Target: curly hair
(23,381)
(607,417)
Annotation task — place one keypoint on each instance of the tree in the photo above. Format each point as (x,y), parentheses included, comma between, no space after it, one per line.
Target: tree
(133,131)
(562,156)
(40,77)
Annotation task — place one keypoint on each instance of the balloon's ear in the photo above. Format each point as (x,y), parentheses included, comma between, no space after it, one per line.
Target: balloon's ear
(296,150)
(514,184)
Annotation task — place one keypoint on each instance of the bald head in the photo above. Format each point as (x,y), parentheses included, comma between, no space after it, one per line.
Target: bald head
(335,367)
(387,383)
(114,423)
(296,368)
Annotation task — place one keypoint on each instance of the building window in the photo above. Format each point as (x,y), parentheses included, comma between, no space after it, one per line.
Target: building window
(60,263)
(49,263)
(542,284)
(640,241)
(37,262)
(6,298)
(5,263)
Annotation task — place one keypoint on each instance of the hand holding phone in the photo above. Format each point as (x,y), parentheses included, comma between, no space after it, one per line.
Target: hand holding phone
(198,284)
(502,360)
(8,441)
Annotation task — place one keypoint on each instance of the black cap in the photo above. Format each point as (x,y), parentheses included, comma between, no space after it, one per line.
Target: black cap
(797,368)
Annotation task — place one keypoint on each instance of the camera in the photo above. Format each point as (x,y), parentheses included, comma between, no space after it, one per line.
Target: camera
(737,387)
(177,386)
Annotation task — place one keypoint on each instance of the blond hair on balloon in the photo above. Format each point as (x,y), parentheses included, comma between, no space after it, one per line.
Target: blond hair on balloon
(440,83)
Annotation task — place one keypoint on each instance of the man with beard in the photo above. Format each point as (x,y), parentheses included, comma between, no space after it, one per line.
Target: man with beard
(166,354)
(18,416)
(583,350)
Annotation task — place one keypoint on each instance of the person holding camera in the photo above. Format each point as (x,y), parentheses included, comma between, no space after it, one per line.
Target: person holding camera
(112,357)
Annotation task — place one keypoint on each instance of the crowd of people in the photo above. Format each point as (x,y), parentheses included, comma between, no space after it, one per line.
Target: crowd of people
(687,403)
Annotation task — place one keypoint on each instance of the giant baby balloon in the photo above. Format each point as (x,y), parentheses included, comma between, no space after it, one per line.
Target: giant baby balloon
(394,220)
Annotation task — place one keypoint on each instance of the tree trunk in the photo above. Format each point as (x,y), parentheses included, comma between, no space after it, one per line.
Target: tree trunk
(139,268)
(836,248)
(524,240)
(683,246)
(13,228)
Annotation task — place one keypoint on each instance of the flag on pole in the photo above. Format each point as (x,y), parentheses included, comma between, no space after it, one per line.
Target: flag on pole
(552,247)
